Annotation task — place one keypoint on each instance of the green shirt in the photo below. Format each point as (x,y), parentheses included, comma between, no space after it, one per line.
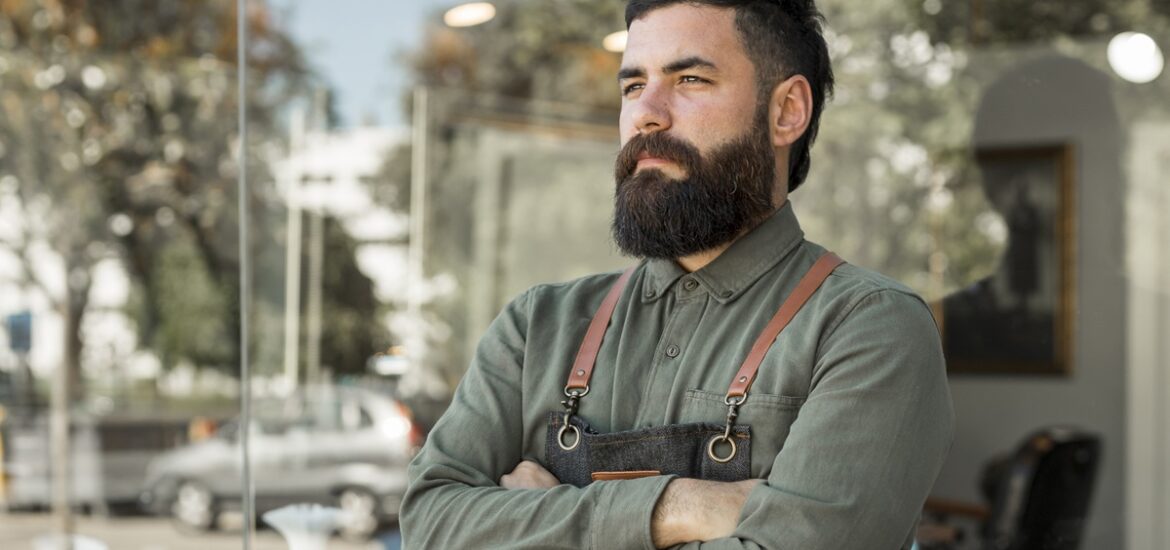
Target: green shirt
(850,414)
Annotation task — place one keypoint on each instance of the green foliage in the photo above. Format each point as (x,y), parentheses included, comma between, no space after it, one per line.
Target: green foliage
(118,121)
(351,332)
(1033,21)
(192,310)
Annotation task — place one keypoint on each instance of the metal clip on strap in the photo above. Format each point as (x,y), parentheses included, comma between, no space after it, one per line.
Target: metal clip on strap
(578,384)
(570,405)
(732,413)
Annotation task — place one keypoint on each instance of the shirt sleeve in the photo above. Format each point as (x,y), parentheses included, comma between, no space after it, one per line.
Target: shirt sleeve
(454,500)
(868,443)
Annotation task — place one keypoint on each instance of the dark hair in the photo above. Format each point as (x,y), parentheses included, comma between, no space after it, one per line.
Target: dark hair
(782,38)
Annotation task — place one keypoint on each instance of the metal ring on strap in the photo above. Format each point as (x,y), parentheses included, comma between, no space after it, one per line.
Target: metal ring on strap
(577,392)
(711,449)
(561,437)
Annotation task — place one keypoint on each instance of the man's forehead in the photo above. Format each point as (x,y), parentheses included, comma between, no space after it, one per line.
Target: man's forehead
(680,31)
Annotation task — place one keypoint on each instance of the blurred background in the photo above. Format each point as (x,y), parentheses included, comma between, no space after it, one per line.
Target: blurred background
(412,166)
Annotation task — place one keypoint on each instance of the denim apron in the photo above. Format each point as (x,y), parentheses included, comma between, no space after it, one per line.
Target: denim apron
(579,455)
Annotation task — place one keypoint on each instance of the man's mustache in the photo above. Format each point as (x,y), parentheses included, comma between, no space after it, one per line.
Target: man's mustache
(657,145)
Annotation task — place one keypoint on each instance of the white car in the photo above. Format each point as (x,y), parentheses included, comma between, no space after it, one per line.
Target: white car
(336,445)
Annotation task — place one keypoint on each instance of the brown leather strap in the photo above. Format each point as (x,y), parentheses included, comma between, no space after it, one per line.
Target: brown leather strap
(587,354)
(804,290)
(631,474)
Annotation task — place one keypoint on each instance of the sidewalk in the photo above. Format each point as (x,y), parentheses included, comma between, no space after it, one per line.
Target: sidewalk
(17,532)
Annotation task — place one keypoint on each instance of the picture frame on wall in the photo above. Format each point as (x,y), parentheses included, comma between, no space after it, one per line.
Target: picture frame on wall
(1018,319)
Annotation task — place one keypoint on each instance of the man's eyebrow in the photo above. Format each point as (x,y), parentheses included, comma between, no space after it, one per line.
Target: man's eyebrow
(673,67)
(688,63)
(631,72)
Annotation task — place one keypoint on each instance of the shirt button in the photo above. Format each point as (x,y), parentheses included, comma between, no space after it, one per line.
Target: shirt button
(672,351)
(726,293)
(690,284)
(649,293)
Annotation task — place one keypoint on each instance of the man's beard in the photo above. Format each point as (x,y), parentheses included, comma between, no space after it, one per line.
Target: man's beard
(720,196)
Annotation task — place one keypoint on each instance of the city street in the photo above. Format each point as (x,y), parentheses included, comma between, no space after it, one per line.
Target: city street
(19,531)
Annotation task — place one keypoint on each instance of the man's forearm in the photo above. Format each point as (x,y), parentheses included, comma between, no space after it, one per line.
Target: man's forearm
(695,510)
(453,514)
(689,510)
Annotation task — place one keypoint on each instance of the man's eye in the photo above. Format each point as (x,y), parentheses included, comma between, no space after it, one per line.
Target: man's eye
(691,79)
(630,88)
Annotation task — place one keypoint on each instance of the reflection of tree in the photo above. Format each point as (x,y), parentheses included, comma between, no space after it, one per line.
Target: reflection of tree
(532,50)
(1037,21)
(898,116)
(893,186)
(544,51)
(909,197)
(118,132)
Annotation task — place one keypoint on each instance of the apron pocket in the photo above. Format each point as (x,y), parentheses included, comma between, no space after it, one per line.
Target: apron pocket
(769,416)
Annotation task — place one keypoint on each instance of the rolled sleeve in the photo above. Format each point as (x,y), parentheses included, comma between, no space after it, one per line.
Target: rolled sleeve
(627,511)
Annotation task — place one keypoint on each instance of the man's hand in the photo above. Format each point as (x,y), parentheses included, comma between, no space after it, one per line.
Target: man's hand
(697,510)
(529,475)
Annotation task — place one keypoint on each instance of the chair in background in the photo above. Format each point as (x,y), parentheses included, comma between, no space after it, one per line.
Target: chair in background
(1037,498)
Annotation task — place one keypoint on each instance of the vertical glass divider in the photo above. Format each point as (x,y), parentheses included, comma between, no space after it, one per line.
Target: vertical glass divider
(248,493)
(418,181)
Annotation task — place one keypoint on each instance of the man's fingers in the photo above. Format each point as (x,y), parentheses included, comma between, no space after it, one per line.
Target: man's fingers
(531,467)
(529,475)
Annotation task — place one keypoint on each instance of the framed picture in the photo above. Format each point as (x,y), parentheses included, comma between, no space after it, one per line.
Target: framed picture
(1018,319)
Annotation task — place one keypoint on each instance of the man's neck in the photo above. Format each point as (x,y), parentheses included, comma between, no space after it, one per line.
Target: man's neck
(699,260)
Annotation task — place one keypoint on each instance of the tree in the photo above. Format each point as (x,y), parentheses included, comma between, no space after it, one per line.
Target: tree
(119,140)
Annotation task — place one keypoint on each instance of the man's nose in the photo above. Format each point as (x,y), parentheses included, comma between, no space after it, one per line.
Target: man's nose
(651,111)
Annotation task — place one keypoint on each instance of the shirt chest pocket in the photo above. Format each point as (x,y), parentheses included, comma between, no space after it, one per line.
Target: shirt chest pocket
(769,416)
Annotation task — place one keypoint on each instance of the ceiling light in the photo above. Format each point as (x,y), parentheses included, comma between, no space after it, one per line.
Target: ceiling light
(470,14)
(1135,57)
(616,42)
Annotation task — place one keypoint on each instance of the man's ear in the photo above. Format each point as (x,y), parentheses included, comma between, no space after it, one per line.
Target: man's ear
(789,111)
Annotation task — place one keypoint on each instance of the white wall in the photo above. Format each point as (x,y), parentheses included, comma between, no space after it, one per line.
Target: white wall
(1148,438)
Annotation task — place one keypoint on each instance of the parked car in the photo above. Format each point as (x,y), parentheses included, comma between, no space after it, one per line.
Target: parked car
(336,445)
(107,459)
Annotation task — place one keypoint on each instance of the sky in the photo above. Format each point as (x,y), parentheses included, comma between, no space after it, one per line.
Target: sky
(354,45)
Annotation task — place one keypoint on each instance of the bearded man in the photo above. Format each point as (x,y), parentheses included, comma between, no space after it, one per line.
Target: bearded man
(740,387)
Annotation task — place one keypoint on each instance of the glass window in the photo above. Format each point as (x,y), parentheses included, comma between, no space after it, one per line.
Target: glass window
(409,168)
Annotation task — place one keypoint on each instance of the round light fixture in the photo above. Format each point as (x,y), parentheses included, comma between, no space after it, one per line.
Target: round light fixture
(470,14)
(616,42)
(1135,57)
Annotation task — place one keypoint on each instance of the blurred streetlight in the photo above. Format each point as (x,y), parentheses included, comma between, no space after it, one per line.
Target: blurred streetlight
(1135,57)
(616,42)
(469,14)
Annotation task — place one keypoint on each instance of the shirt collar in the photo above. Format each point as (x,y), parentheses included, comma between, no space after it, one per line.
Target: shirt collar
(744,262)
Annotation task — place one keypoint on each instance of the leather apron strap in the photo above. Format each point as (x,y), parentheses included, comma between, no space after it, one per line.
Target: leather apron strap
(804,290)
(578,383)
(587,354)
